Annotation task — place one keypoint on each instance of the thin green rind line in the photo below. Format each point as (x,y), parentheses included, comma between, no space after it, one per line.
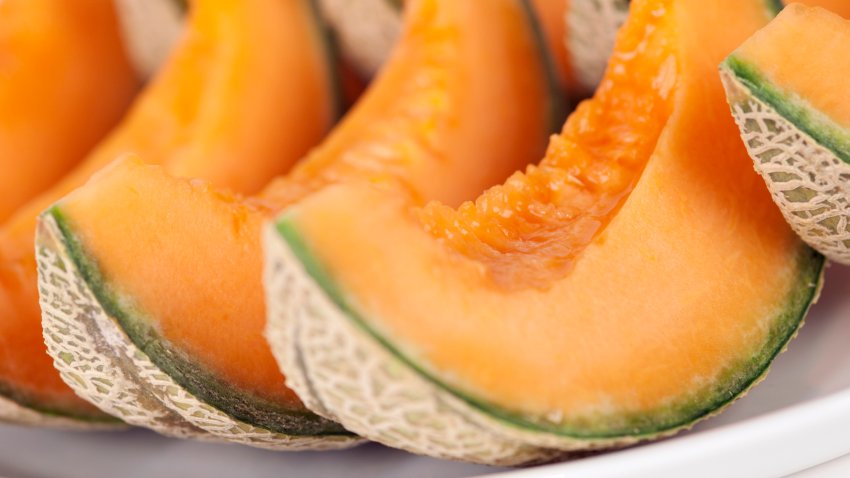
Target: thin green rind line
(333,58)
(733,382)
(197,380)
(558,104)
(797,111)
(775,6)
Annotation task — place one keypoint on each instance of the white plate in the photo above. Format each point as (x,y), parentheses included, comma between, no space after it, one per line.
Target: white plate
(798,418)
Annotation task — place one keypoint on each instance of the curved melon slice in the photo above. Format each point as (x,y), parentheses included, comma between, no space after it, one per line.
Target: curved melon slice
(636,281)
(794,116)
(200,352)
(42,136)
(236,105)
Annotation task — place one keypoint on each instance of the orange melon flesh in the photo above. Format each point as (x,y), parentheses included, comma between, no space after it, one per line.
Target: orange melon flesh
(426,121)
(247,93)
(782,55)
(633,282)
(64,81)
(841,7)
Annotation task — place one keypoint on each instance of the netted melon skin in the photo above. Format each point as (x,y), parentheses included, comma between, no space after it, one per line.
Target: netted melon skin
(344,373)
(92,361)
(365,30)
(150,29)
(809,182)
(102,364)
(592,27)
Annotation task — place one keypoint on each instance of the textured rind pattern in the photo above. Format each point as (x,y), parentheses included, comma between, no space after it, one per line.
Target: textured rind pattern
(342,374)
(592,27)
(86,361)
(366,30)
(150,28)
(102,364)
(345,374)
(809,183)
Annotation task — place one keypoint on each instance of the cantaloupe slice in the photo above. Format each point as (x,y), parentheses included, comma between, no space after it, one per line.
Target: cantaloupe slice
(248,92)
(794,116)
(60,62)
(636,281)
(180,302)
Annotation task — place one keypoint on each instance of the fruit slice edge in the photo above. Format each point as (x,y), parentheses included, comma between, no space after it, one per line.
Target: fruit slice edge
(795,123)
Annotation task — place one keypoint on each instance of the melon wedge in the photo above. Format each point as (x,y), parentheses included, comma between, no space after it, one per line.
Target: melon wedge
(794,117)
(185,318)
(637,280)
(236,105)
(59,62)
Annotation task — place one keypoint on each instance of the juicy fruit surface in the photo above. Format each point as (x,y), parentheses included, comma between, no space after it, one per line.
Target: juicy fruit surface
(528,231)
(217,111)
(690,290)
(783,70)
(58,63)
(426,121)
(841,7)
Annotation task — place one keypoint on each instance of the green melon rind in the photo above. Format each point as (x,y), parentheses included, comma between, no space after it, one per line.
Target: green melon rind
(186,388)
(802,155)
(734,381)
(559,105)
(793,108)
(87,355)
(363,384)
(343,372)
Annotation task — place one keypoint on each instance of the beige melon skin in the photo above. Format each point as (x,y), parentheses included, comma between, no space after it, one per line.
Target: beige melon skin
(809,182)
(342,372)
(592,27)
(83,354)
(306,330)
(151,28)
(100,362)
